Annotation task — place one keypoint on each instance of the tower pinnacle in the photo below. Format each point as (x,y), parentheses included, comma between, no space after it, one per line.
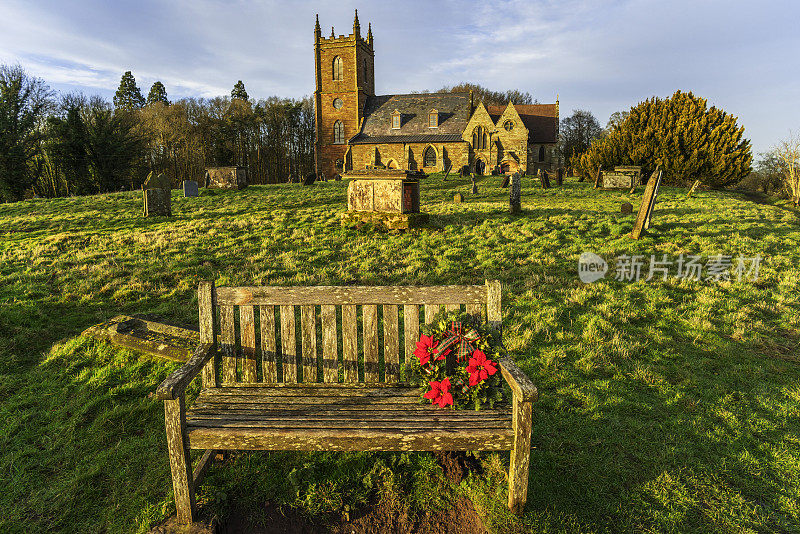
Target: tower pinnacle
(356,26)
(369,33)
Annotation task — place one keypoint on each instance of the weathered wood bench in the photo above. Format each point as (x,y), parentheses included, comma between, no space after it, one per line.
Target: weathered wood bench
(262,393)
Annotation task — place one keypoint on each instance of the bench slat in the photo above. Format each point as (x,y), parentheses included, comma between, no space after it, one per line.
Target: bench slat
(340,295)
(350,439)
(308,326)
(247,328)
(350,343)
(229,421)
(430,312)
(391,343)
(288,344)
(227,344)
(268,345)
(330,355)
(410,330)
(370,322)
(475,309)
(452,307)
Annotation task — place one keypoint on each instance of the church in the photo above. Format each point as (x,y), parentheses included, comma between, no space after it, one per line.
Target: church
(430,132)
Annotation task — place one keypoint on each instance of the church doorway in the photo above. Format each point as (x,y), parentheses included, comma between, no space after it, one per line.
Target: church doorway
(480,167)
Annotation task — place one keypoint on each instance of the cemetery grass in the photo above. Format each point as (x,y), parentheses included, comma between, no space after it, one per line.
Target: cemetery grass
(665,406)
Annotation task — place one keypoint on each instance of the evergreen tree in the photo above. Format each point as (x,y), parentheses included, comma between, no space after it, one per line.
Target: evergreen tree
(24,101)
(577,132)
(67,147)
(158,93)
(113,146)
(238,92)
(680,134)
(128,96)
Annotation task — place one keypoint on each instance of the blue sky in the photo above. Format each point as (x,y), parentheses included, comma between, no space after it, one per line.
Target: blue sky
(601,56)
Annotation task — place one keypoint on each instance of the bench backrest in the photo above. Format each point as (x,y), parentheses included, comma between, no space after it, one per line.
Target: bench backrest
(346,333)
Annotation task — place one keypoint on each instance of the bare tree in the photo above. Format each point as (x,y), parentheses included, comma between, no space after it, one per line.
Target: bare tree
(788,152)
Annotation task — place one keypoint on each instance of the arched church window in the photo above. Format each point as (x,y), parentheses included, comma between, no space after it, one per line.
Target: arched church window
(338,69)
(429,157)
(338,133)
(541,153)
(479,138)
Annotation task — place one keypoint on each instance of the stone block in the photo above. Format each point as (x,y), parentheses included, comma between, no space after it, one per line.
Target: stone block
(626,208)
(617,180)
(226,177)
(190,188)
(157,202)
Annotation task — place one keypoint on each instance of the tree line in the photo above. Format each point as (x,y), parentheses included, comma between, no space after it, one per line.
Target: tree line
(73,145)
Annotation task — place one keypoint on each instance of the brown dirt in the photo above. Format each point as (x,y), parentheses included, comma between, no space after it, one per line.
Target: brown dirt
(381,519)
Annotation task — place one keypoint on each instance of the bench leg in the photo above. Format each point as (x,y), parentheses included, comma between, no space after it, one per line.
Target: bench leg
(520,456)
(179,460)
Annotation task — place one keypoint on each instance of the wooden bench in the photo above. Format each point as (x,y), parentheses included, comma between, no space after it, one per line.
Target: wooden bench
(260,392)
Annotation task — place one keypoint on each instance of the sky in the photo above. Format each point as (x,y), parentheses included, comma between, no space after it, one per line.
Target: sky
(601,56)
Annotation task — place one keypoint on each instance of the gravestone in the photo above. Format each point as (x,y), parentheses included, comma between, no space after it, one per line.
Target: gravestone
(474,186)
(695,185)
(157,202)
(310,179)
(618,180)
(226,177)
(626,208)
(515,194)
(458,198)
(598,178)
(157,194)
(506,181)
(560,177)
(544,177)
(389,197)
(646,207)
(190,189)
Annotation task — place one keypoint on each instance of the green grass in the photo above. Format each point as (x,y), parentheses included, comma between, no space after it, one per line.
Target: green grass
(666,406)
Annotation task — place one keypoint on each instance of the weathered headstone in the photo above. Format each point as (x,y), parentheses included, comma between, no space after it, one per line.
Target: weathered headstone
(157,194)
(515,194)
(458,198)
(506,181)
(695,185)
(560,176)
(190,188)
(598,178)
(617,180)
(388,197)
(646,207)
(474,186)
(626,208)
(226,177)
(544,176)
(157,202)
(310,179)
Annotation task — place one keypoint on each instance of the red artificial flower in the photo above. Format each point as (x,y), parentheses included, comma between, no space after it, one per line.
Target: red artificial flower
(440,393)
(480,367)
(426,347)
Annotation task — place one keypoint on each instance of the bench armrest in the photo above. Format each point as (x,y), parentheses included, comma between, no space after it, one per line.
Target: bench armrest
(520,384)
(175,384)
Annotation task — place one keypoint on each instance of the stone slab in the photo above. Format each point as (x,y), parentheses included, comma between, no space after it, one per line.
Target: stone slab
(150,337)
(617,180)
(157,202)
(190,189)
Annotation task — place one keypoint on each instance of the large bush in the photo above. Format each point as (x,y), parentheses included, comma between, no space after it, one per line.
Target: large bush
(682,135)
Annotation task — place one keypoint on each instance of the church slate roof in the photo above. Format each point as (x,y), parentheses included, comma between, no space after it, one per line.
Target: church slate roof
(541,120)
(453,109)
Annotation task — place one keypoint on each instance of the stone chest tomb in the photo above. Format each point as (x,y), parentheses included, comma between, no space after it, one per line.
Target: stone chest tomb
(390,197)
(226,177)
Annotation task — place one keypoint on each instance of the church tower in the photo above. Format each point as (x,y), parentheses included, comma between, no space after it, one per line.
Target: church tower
(345,77)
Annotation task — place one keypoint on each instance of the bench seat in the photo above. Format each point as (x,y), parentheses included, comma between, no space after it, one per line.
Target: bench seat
(306,417)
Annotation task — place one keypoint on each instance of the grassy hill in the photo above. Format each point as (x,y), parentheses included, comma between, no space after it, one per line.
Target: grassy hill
(665,406)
